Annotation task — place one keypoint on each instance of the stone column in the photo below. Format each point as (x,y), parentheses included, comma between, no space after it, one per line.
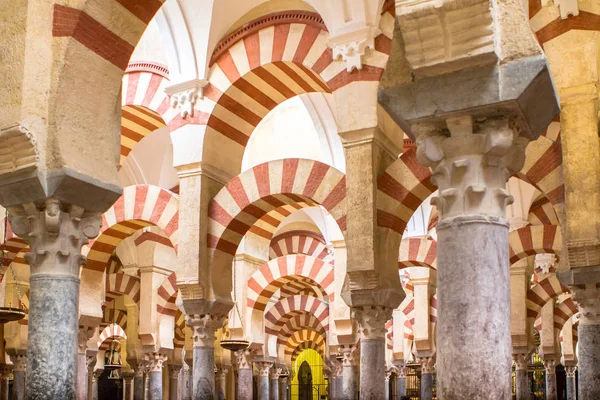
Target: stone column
(5,371)
(349,372)
(138,384)
(550,365)
(571,384)
(19,368)
(154,362)
(264,367)
(388,375)
(244,383)
(204,327)
(371,327)
(401,382)
(174,383)
(471,166)
(95,377)
(221,382)
(283,387)
(274,383)
(55,233)
(91,364)
(521,378)
(85,333)
(338,381)
(427,370)
(128,386)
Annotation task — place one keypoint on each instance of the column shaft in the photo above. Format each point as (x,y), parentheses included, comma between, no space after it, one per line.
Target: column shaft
(372,368)
(82,376)
(571,386)
(551,393)
(349,382)
(128,386)
(263,387)
(155,385)
(522,383)
(204,373)
(138,387)
(283,388)
(4,389)
(244,384)
(19,367)
(400,386)
(426,386)
(589,362)
(274,389)
(221,383)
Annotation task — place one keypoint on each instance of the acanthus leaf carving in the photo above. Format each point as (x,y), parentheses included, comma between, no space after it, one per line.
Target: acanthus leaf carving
(351,47)
(183,95)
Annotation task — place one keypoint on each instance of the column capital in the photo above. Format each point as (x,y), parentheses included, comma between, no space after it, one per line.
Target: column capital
(184,94)
(427,364)
(221,371)
(243,359)
(263,367)
(174,370)
(96,374)
(155,361)
(19,363)
(570,370)
(54,230)
(388,373)
(85,333)
(471,161)
(350,354)
(128,376)
(521,360)
(91,363)
(5,371)
(550,365)
(204,328)
(371,321)
(585,286)
(275,372)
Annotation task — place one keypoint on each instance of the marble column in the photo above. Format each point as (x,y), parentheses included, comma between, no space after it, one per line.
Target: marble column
(146,384)
(427,371)
(550,365)
(471,164)
(128,385)
(338,382)
(5,371)
(95,377)
(204,328)
(571,383)
(244,383)
(91,365)
(388,376)
(264,367)
(85,333)
(521,377)
(401,382)
(221,382)
(349,372)
(371,327)
(274,383)
(174,371)
(19,368)
(138,384)
(154,362)
(55,233)
(283,387)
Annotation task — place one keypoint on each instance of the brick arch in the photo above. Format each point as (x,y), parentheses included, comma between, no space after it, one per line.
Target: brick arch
(299,242)
(305,286)
(138,207)
(547,289)
(258,70)
(280,312)
(111,332)
(302,340)
(167,293)
(121,284)
(541,212)
(299,322)
(235,210)
(531,240)
(418,252)
(272,275)
(563,311)
(551,25)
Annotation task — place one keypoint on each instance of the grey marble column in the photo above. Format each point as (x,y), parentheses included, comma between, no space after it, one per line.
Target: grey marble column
(84,334)
(283,387)
(571,383)
(5,371)
(589,361)
(401,382)
(138,384)
(174,371)
(154,362)
(204,327)
(264,367)
(128,385)
(388,394)
(19,368)
(274,383)
(371,326)
(521,377)
(339,385)
(349,372)
(426,386)
(221,382)
(95,377)
(550,366)
(244,383)
(55,233)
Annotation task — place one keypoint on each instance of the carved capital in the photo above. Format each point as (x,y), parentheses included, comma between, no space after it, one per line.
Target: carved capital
(588,301)
(243,359)
(85,333)
(350,355)
(371,321)
(54,232)
(154,361)
(550,366)
(471,161)
(352,46)
(275,372)
(96,374)
(545,264)
(263,367)
(521,360)
(427,364)
(19,363)
(174,370)
(91,363)
(184,95)
(5,371)
(401,371)
(570,370)
(204,328)
(388,374)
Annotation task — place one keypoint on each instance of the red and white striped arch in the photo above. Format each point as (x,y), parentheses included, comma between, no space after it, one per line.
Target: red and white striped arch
(167,293)
(279,313)
(541,293)
(138,207)
(546,22)
(299,242)
(299,322)
(111,332)
(263,67)
(302,340)
(563,311)
(306,286)
(532,240)
(179,335)
(542,212)
(272,275)
(120,284)
(418,252)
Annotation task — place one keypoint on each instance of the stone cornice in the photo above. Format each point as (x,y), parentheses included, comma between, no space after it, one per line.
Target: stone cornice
(148,66)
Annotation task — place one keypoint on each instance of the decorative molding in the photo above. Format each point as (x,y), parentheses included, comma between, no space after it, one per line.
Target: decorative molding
(243,359)
(18,150)
(263,367)
(371,321)
(148,66)
(352,46)
(567,8)
(521,361)
(427,364)
(204,328)
(155,361)
(583,253)
(183,95)
(350,354)
(283,17)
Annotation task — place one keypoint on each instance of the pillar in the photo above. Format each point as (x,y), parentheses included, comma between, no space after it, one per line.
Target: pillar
(371,327)
(128,385)
(521,377)
(283,387)
(5,371)
(571,383)
(274,383)
(401,382)
(155,363)
(264,367)
(388,375)
(204,328)
(349,372)
(95,377)
(427,370)
(221,382)
(19,367)
(244,384)
(55,233)
(91,364)
(85,333)
(550,365)
(138,384)
(338,382)
(174,371)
